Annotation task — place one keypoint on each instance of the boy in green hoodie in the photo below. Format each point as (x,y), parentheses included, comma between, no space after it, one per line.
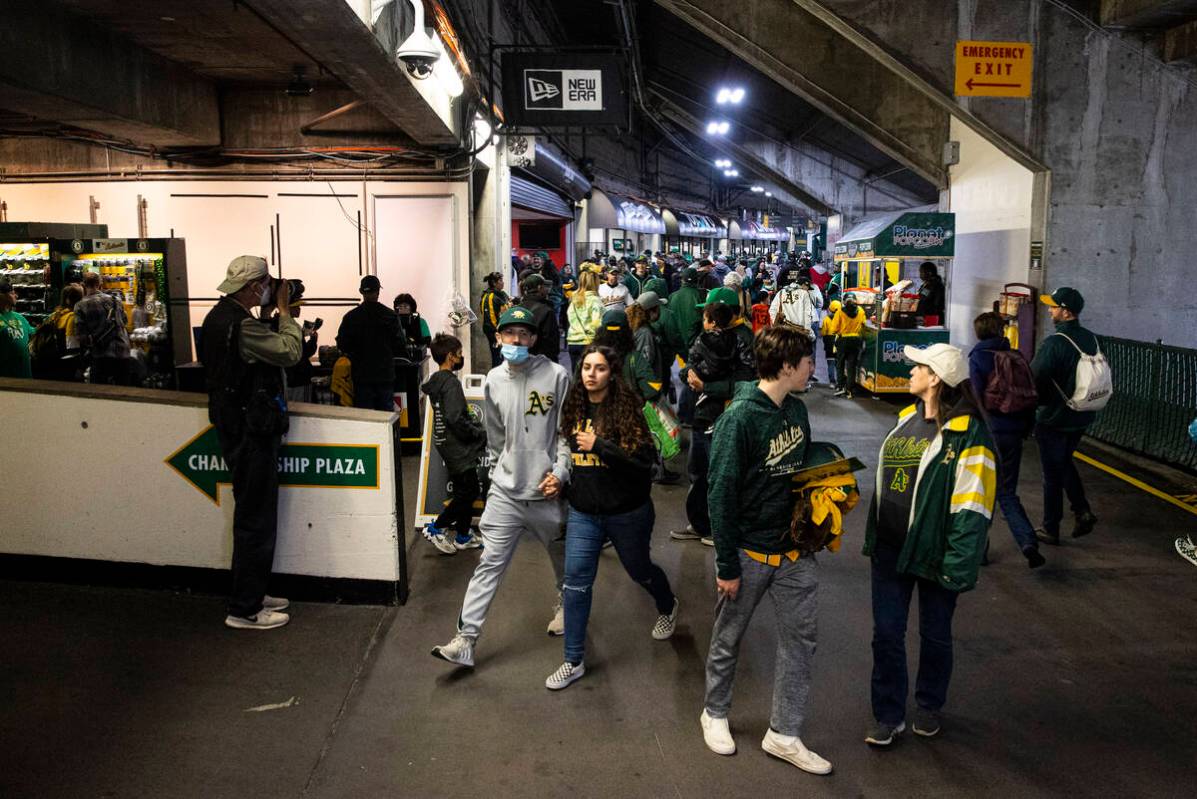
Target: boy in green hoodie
(760,441)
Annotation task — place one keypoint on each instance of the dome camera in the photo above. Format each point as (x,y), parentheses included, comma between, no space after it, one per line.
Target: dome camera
(418,52)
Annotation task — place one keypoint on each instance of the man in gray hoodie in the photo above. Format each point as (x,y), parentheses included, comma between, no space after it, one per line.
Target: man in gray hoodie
(530,463)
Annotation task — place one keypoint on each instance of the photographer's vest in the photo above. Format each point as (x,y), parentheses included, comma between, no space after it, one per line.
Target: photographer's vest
(230,380)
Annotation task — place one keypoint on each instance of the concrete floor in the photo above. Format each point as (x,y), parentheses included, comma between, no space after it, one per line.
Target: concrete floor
(1078,679)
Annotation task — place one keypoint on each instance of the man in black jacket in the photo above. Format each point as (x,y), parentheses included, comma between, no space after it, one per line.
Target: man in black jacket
(243,367)
(548,334)
(370,336)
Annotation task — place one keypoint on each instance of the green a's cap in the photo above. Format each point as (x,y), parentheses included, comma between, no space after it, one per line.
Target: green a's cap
(517,315)
(722,294)
(615,319)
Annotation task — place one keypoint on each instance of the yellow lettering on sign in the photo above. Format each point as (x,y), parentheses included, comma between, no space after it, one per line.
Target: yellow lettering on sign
(994,69)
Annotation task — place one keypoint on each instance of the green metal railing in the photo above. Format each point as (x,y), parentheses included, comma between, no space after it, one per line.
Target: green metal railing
(1155,399)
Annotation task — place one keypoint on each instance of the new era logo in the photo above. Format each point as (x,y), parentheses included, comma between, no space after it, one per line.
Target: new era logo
(563,89)
(539,90)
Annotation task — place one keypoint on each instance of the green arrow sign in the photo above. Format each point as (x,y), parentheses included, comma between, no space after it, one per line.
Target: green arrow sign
(201,463)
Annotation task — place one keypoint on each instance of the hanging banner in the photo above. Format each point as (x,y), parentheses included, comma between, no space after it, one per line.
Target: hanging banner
(564,89)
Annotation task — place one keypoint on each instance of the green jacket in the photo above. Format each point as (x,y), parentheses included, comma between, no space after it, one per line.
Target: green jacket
(635,285)
(639,375)
(954,494)
(755,451)
(685,319)
(1054,367)
(657,285)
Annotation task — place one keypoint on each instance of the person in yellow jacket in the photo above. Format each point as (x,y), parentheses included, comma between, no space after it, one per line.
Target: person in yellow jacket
(584,314)
(848,325)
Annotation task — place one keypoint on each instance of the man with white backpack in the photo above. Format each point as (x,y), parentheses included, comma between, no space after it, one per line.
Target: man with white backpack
(1073,380)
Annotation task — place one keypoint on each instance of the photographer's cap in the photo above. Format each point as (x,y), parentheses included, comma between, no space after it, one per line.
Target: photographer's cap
(943,359)
(242,269)
(369,283)
(1064,297)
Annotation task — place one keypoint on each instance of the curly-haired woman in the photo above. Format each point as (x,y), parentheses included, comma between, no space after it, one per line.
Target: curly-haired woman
(609,498)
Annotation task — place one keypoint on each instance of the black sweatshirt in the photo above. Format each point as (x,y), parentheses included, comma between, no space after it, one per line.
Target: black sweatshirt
(607,480)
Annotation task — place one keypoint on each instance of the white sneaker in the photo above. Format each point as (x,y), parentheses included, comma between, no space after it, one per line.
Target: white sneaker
(790,749)
(262,620)
(460,651)
(275,603)
(557,625)
(708,541)
(717,735)
(666,624)
(564,676)
(439,540)
(471,542)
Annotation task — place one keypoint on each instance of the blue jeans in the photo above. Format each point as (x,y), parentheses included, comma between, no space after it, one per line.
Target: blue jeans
(891,608)
(585,533)
(374,396)
(1009,446)
(697,464)
(1059,475)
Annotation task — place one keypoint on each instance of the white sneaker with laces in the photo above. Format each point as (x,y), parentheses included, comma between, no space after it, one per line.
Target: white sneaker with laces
(564,675)
(472,542)
(275,603)
(262,620)
(791,749)
(717,735)
(439,540)
(557,625)
(666,624)
(460,651)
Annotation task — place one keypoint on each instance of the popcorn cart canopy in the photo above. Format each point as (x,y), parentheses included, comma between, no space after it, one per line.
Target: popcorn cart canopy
(919,232)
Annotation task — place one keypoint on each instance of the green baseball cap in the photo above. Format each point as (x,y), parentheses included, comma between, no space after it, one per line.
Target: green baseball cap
(517,315)
(722,294)
(615,319)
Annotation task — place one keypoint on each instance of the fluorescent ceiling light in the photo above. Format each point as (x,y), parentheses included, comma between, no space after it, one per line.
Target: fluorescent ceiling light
(727,95)
(758,189)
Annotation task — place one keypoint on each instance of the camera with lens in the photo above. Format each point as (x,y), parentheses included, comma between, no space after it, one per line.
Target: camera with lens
(294,286)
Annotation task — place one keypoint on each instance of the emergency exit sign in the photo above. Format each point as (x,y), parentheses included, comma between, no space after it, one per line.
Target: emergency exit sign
(993,69)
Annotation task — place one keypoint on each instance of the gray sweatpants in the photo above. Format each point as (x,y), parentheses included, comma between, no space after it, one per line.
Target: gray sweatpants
(503,523)
(793,587)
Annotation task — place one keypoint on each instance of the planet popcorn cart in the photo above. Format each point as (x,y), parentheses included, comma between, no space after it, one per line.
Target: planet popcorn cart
(879,263)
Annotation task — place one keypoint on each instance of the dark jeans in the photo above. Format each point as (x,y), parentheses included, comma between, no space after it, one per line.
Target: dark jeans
(464,489)
(374,396)
(891,608)
(253,462)
(1059,475)
(829,354)
(685,404)
(697,464)
(631,533)
(575,356)
(112,371)
(1009,446)
(847,361)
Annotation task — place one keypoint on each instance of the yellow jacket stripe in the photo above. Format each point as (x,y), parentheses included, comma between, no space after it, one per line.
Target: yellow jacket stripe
(976,482)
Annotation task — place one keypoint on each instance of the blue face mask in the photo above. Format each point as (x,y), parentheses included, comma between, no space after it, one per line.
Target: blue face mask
(514,353)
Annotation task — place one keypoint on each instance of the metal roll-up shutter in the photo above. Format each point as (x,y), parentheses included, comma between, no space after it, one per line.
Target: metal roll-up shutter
(535,197)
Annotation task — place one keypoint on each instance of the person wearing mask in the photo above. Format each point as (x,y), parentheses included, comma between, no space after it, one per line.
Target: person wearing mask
(494,301)
(54,347)
(848,324)
(612,292)
(533,297)
(15,331)
(1059,428)
(583,315)
(932,294)
(370,336)
(1008,429)
(103,330)
(760,442)
(243,362)
(926,530)
(415,328)
(609,500)
(530,466)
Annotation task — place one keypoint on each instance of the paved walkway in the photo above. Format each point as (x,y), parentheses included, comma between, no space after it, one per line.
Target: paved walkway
(1080,678)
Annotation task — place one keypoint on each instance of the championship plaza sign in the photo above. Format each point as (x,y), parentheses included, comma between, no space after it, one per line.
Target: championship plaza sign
(564,89)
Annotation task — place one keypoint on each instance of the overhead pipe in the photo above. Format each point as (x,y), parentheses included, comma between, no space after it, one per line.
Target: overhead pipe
(333,114)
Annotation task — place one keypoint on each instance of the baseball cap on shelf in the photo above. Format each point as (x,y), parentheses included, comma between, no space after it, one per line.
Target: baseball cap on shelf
(369,283)
(242,269)
(945,360)
(517,315)
(722,294)
(1064,297)
(649,300)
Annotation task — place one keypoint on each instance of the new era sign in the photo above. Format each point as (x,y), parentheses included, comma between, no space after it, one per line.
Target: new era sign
(563,89)
(552,90)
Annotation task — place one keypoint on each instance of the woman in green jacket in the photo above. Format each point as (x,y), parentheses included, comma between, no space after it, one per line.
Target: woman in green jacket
(936,485)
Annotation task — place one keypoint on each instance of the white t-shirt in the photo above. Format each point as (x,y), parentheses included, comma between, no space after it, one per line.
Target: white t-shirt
(616,296)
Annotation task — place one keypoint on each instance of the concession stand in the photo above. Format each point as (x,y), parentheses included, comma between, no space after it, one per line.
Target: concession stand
(879,262)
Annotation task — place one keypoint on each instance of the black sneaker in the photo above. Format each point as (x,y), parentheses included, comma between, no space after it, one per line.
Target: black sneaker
(1048,538)
(1034,559)
(926,723)
(1085,522)
(883,734)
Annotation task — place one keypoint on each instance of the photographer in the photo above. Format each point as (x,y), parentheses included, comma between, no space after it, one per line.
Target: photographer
(244,361)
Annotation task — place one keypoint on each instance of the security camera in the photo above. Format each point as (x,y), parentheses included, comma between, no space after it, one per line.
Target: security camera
(418,52)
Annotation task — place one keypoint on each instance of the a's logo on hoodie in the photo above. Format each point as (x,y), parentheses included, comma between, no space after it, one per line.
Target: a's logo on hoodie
(539,403)
(782,445)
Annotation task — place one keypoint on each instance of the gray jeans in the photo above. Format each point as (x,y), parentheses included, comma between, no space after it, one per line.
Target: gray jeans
(504,522)
(793,586)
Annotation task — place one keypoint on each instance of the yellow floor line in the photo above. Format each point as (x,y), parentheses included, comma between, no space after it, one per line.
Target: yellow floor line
(1155,492)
